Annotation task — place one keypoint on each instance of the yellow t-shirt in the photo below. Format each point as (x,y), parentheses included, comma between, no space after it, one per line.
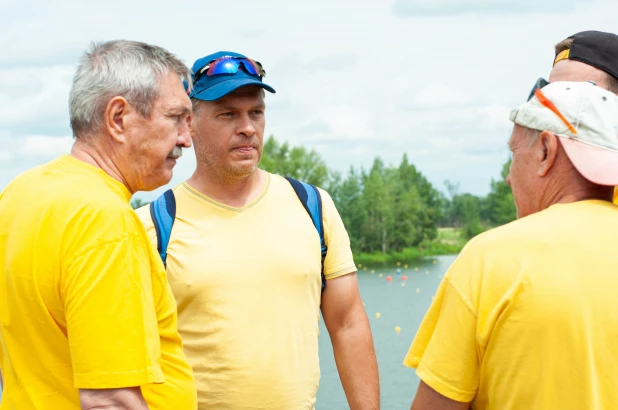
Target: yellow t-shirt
(526,317)
(248,287)
(84,300)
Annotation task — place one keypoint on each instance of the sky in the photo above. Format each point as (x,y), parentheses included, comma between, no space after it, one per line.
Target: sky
(355,79)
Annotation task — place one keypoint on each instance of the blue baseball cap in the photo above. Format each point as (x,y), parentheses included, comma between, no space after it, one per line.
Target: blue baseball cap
(213,87)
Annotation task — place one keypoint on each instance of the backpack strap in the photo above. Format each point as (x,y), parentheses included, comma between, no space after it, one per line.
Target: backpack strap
(310,197)
(163,214)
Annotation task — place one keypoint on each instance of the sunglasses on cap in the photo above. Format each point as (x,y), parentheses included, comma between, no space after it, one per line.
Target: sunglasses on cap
(536,92)
(230,65)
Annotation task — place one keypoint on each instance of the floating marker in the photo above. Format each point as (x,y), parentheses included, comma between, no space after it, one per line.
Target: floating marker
(372,271)
(380,275)
(398,271)
(405,266)
(378,315)
(435,261)
(416,269)
(418,290)
(427,273)
(388,278)
(403,284)
(404,277)
(397,329)
(365,268)
(360,265)
(398,263)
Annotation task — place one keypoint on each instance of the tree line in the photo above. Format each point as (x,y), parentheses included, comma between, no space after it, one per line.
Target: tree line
(388,208)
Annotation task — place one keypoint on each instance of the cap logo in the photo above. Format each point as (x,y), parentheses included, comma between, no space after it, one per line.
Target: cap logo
(563,55)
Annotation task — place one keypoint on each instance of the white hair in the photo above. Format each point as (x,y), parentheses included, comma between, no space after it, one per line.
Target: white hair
(128,69)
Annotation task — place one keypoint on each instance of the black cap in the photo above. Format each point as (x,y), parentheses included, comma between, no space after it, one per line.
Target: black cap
(594,48)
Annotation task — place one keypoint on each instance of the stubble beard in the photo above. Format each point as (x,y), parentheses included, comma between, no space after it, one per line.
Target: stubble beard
(220,170)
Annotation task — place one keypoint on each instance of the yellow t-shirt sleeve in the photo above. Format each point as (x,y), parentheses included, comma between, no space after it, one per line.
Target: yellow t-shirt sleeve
(444,351)
(339,260)
(111,319)
(143,213)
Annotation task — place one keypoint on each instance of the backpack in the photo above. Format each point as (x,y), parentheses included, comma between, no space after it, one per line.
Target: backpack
(163,214)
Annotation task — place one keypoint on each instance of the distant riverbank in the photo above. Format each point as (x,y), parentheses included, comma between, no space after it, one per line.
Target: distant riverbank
(450,241)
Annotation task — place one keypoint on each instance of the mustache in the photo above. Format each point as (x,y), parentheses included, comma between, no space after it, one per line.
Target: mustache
(175,153)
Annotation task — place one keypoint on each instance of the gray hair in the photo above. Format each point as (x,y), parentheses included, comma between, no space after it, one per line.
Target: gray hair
(532,136)
(128,69)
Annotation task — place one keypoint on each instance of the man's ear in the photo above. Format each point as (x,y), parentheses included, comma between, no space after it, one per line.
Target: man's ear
(547,152)
(115,118)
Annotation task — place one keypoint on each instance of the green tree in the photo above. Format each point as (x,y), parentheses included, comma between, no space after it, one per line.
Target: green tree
(378,200)
(137,203)
(348,197)
(431,200)
(500,204)
(296,162)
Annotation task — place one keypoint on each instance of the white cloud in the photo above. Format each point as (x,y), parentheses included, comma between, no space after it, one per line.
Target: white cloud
(454,7)
(353,79)
(45,146)
(35,99)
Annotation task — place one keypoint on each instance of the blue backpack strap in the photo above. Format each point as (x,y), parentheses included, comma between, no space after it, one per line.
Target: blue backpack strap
(312,202)
(163,214)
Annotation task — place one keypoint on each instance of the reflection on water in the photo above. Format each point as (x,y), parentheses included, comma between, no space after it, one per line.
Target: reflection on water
(398,306)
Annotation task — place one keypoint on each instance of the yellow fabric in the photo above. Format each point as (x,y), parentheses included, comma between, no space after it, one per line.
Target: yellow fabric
(563,55)
(526,317)
(248,286)
(84,300)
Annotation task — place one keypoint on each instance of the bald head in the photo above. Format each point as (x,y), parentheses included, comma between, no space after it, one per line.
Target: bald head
(585,56)
(572,70)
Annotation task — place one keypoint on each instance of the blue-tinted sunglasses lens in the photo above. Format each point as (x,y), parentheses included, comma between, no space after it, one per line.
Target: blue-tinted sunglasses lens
(230,65)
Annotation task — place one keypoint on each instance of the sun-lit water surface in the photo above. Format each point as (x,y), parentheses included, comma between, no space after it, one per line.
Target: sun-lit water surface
(398,306)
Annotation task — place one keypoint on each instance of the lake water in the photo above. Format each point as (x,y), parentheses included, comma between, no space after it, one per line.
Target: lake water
(402,306)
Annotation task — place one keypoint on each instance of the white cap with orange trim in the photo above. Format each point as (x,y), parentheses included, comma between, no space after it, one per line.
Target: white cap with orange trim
(593,112)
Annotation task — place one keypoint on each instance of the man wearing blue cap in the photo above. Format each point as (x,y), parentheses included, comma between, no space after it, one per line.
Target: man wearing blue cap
(245,263)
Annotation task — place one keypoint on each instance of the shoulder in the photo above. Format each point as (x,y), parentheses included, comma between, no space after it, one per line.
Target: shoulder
(143,213)
(279,182)
(498,257)
(520,235)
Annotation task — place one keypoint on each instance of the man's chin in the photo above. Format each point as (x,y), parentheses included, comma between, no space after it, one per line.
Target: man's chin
(154,183)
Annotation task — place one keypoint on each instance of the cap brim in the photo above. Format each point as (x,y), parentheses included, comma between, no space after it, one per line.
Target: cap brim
(225,87)
(597,165)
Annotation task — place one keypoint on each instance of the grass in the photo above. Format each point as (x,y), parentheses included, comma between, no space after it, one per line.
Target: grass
(449,242)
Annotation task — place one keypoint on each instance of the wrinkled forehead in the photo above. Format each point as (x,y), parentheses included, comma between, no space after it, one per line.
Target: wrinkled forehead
(518,134)
(171,93)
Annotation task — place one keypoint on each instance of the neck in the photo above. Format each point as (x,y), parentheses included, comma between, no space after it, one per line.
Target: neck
(235,192)
(88,151)
(572,187)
